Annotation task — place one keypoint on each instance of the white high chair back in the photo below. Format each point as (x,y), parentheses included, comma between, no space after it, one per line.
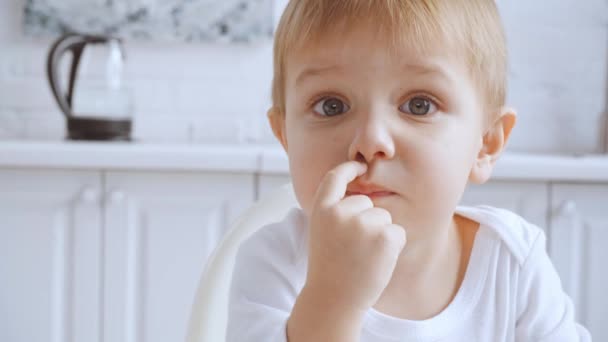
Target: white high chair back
(209,314)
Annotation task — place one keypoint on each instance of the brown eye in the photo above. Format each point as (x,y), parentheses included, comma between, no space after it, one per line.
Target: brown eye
(419,106)
(330,107)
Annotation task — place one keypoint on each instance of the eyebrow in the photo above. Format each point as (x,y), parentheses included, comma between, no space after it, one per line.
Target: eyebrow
(316,71)
(426,69)
(417,69)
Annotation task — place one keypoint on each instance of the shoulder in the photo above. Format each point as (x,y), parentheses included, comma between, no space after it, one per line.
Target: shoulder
(521,238)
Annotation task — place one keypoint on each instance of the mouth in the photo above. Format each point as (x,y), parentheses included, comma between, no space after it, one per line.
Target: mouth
(373,194)
(368,189)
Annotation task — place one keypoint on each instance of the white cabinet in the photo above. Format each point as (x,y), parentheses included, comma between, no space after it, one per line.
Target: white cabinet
(530,200)
(160,229)
(50,262)
(108,256)
(579,240)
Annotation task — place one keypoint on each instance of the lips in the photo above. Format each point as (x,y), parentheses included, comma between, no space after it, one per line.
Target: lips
(370,190)
(376,194)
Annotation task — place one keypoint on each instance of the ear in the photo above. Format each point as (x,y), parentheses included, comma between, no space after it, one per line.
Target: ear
(494,143)
(277,122)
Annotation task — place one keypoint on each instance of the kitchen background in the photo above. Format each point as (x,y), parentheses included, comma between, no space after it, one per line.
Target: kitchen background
(106,242)
(219,92)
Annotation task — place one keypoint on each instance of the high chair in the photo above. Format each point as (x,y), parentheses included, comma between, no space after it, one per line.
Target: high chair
(209,314)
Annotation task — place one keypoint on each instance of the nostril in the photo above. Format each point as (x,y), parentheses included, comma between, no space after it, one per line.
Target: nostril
(360,157)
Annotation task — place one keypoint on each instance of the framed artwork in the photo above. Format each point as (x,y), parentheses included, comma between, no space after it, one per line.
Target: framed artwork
(157,20)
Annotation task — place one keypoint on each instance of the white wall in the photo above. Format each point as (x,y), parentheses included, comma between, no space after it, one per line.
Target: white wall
(559,72)
(219,93)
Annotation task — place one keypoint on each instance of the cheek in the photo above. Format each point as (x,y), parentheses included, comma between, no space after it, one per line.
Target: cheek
(456,146)
(310,158)
(304,181)
(457,159)
(441,167)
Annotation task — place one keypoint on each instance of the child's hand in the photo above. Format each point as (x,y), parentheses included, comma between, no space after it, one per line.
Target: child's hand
(354,246)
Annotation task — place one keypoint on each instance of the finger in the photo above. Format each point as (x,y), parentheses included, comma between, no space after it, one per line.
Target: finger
(355,204)
(396,236)
(374,218)
(333,186)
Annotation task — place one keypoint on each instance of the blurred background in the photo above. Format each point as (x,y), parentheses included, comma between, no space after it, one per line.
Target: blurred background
(557,79)
(103,237)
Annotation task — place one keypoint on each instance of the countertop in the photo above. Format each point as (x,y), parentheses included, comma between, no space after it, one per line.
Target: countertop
(252,158)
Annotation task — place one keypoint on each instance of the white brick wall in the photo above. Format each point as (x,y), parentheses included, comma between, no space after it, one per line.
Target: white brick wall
(182,93)
(220,93)
(559,69)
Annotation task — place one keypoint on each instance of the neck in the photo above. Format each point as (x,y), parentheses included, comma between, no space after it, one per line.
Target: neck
(424,258)
(428,273)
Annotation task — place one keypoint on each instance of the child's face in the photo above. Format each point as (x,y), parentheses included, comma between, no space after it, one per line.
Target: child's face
(416,120)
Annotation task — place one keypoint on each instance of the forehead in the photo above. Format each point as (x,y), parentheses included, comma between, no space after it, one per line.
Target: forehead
(397,42)
(367,49)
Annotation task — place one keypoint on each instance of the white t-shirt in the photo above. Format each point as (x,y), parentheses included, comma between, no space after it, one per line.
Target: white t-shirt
(510,291)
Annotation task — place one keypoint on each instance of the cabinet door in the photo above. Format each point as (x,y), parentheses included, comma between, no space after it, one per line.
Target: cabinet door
(579,242)
(530,200)
(159,230)
(49,256)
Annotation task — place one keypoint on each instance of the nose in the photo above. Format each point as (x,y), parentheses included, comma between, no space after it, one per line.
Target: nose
(372,141)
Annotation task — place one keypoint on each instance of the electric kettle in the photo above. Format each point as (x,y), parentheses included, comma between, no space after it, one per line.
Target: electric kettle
(106,108)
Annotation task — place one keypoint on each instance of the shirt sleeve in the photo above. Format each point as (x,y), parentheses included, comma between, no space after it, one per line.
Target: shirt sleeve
(262,291)
(545,311)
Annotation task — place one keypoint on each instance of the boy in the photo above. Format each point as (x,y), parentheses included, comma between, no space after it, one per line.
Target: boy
(387,109)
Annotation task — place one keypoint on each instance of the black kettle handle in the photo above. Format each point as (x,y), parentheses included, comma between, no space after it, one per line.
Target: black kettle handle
(74,43)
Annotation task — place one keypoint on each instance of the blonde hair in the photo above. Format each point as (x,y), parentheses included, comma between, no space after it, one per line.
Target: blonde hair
(473,27)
